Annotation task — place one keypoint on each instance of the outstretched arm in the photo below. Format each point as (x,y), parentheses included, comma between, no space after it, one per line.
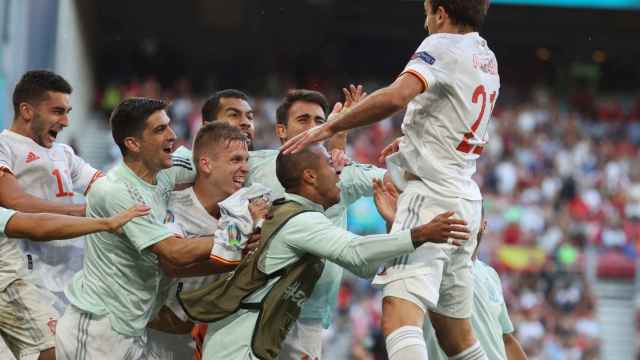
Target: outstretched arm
(13,197)
(46,227)
(375,107)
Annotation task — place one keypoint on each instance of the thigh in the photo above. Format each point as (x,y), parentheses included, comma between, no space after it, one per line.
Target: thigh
(456,288)
(83,335)
(27,320)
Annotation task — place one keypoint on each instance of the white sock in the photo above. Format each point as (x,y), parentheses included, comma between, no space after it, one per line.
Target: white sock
(406,343)
(474,352)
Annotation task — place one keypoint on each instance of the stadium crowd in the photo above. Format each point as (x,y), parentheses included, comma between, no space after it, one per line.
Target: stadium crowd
(558,182)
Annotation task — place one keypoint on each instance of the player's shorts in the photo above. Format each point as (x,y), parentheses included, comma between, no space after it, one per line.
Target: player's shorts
(435,276)
(304,341)
(83,335)
(170,346)
(27,319)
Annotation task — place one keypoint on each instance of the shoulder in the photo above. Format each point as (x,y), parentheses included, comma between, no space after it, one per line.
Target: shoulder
(484,270)
(440,43)
(265,154)
(110,191)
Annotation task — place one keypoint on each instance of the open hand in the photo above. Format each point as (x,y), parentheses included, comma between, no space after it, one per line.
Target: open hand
(385,197)
(390,149)
(116,222)
(443,229)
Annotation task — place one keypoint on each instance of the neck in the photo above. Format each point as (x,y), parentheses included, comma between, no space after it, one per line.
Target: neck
(20,127)
(143,171)
(456,29)
(209,196)
(311,194)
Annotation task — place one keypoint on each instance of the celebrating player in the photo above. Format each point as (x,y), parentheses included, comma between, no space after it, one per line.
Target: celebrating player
(122,285)
(39,175)
(450,85)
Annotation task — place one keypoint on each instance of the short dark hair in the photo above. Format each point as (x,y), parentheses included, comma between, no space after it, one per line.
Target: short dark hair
(214,133)
(293,96)
(290,167)
(211,107)
(464,12)
(33,87)
(129,118)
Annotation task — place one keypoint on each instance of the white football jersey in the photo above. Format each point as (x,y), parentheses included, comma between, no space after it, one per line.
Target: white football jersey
(445,127)
(188,218)
(53,174)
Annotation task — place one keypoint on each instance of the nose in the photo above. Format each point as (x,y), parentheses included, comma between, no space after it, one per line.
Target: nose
(172,134)
(245,167)
(245,123)
(64,120)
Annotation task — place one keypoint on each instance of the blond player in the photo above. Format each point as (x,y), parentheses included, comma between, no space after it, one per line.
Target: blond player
(449,86)
(221,156)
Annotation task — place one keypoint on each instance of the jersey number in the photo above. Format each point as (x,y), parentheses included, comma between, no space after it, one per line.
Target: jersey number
(61,192)
(478,93)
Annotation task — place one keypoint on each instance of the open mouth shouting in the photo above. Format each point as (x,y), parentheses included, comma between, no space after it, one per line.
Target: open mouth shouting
(238,181)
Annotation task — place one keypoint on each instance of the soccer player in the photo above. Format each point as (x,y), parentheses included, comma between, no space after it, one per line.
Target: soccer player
(489,316)
(123,283)
(42,175)
(231,106)
(450,85)
(302,110)
(310,180)
(221,159)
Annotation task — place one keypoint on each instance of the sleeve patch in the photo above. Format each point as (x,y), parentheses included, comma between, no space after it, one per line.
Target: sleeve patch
(424,56)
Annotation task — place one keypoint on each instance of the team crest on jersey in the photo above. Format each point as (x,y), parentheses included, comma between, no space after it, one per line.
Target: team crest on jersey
(31,157)
(424,56)
(234,235)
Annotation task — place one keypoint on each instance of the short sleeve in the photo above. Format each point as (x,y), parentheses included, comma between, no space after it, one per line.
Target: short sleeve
(432,63)
(505,321)
(5,216)
(182,170)
(356,181)
(142,231)
(83,175)
(6,157)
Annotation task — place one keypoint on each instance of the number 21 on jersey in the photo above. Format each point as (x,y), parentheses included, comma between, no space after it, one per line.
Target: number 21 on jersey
(479,95)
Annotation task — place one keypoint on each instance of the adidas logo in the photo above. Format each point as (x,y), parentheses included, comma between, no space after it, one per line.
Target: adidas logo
(32,157)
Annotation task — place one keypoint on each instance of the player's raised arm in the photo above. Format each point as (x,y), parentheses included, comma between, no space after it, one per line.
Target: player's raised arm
(375,107)
(13,197)
(46,227)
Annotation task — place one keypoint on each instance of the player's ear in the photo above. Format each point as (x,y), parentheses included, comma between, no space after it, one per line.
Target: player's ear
(204,164)
(310,177)
(132,144)
(441,14)
(281,132)
(26,111)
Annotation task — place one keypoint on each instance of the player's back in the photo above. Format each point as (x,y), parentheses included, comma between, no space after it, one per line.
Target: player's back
(446,126)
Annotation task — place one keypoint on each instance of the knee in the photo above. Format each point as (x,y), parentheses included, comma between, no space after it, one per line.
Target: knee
(455,341)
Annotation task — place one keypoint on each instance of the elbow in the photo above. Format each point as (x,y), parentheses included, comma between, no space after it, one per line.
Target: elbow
(168,268)
(177,260)
(396,101)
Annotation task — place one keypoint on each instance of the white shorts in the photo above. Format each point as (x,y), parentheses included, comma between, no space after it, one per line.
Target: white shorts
(27,319)
(85,336)
(435,276)
(170,346)
(304,341)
